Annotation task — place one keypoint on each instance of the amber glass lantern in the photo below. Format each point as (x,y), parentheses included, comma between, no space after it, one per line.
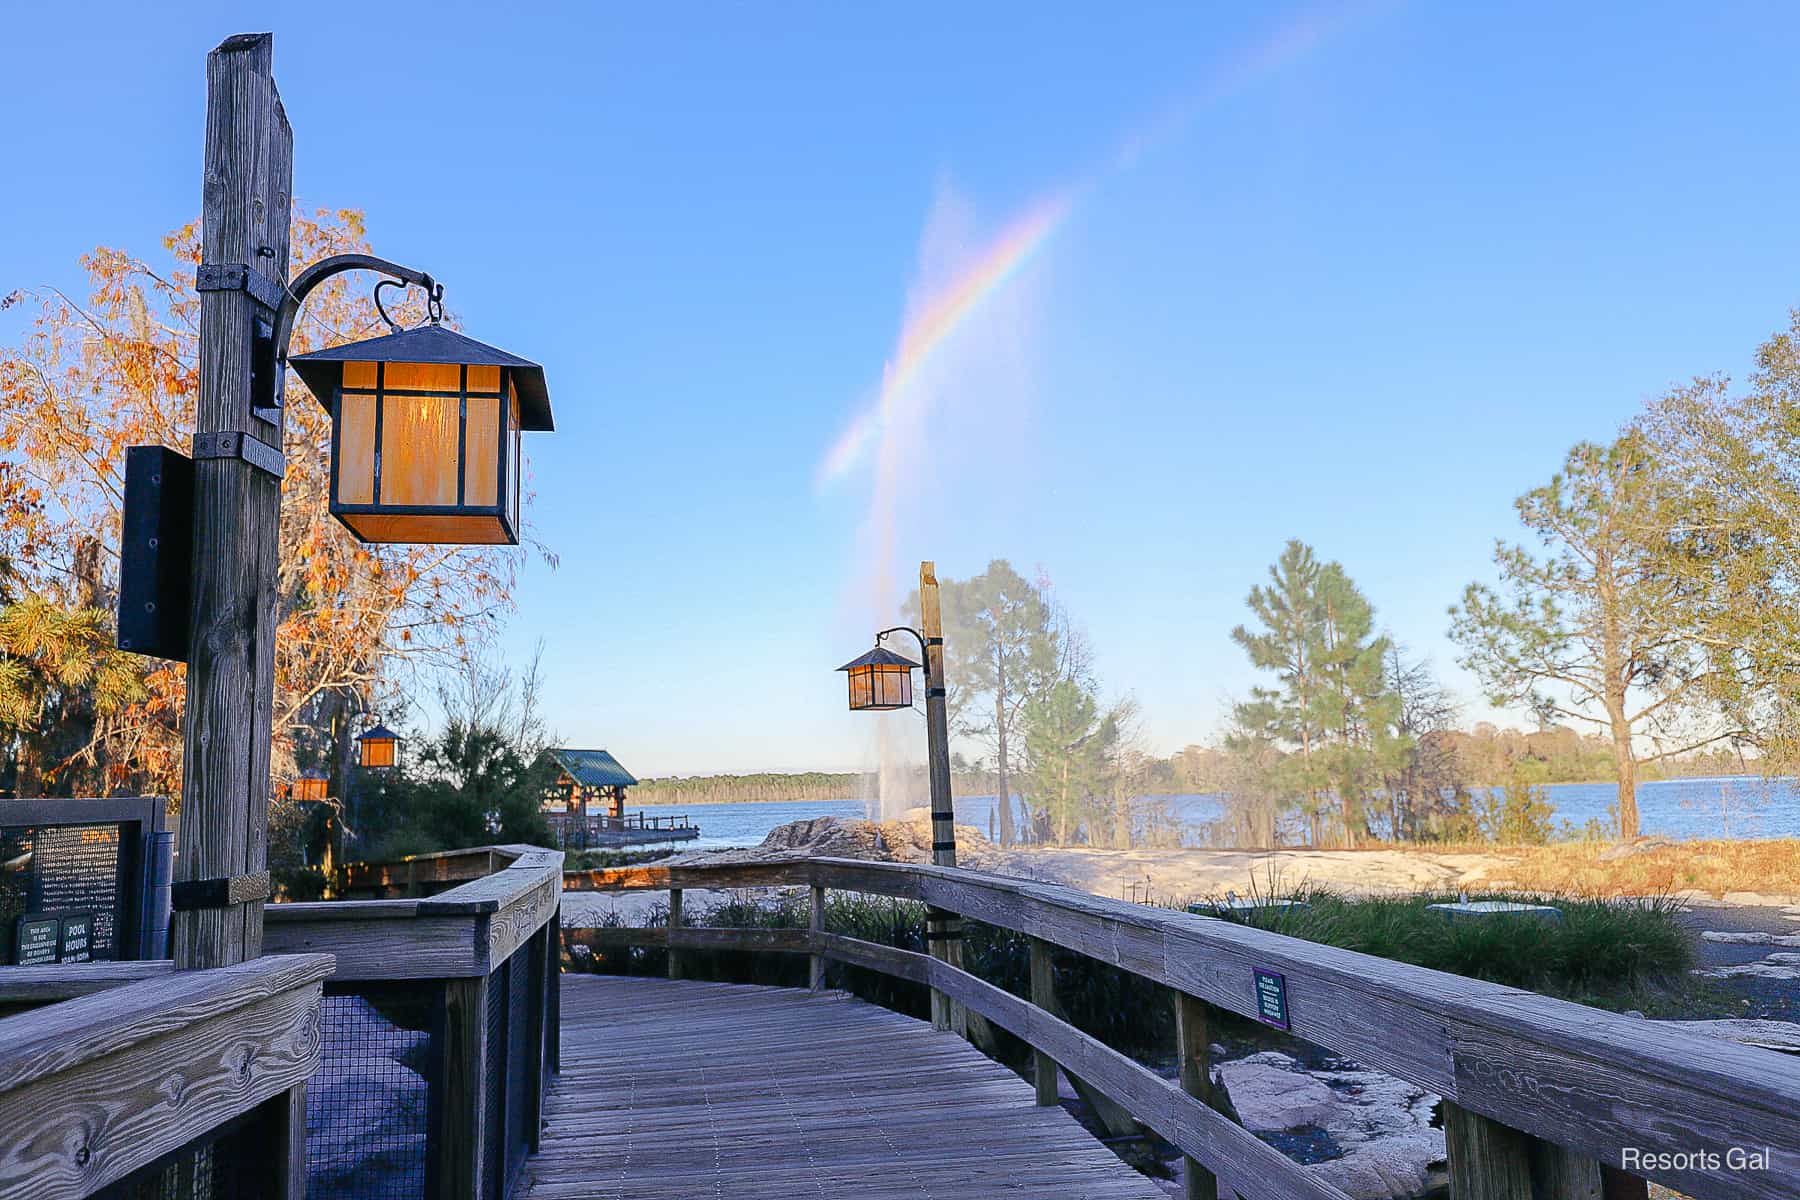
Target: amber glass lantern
(310,787)
(880,680)
(425,427)
(378,749)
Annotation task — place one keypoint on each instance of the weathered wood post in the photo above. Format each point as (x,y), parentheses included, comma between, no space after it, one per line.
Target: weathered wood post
(674,925)
(460,1152)
(1043,994)
(942,929)
(1193,1042)
(1493,1161)
(816,925)
(221,874)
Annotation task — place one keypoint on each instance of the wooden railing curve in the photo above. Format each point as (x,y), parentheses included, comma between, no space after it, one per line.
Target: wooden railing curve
(1584,1084)
(147,1058)
(503,915)
(102,1085)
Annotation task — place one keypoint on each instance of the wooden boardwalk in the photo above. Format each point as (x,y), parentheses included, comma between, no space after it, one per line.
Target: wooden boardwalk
(686,1090)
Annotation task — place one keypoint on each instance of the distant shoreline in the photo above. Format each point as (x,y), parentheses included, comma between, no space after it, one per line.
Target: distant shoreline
(633,798)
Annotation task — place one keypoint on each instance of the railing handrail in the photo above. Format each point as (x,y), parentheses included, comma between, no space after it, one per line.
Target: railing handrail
(65,1035)
(1566,1073)
(95,1088)
(466,931)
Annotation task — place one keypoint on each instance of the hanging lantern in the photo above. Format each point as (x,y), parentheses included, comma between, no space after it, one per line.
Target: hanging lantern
(310,787)
(880,680)
(378,749)
(425,427)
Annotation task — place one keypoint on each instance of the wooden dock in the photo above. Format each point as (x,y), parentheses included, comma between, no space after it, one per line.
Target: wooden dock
(685,1090)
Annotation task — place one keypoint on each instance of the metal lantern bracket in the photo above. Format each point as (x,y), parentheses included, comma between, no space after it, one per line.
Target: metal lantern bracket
(303,284)
(154,553)
(931,693)
(270,354)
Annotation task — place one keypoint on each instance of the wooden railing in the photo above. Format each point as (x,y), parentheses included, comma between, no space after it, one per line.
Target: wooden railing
(640,820)
(1542,1097)
(420,874)
(469,953)
(130,1070)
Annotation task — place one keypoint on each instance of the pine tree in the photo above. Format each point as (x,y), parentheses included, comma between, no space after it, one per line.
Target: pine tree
(1331,709)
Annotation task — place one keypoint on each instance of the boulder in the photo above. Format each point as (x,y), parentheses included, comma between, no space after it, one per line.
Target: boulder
(1367,1133)
(839,837)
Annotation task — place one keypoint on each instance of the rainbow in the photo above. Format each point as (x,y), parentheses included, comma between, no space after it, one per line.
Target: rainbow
(1021,241)
(927,332)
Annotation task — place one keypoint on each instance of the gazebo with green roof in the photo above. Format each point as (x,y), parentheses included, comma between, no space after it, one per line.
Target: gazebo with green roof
(583,776)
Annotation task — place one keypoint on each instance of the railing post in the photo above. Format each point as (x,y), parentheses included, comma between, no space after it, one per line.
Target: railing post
(459,1147)
(1193,1042)
(555,1000)
(1488,1160)
(1043,994)
(280,1125)
(674,924)
(816,925)
(1493,1161)
(1622,1185)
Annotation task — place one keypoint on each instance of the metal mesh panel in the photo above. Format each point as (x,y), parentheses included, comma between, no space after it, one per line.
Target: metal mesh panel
(368,1110)
(493,1084)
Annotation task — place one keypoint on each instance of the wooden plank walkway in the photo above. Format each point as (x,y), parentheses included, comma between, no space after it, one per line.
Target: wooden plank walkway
(687,1090)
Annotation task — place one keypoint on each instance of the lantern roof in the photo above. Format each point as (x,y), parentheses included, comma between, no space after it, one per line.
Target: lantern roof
(379,733)
(322,370)
(591,768)
(879,657)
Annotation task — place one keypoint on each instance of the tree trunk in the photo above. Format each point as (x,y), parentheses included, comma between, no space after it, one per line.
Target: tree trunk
(1626,761)
(1004,799)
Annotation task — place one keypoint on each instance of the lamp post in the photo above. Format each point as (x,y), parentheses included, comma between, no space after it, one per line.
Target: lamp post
(450,448)
(882,680)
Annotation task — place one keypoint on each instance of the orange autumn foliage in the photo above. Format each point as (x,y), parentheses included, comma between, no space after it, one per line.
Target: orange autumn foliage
(120,368)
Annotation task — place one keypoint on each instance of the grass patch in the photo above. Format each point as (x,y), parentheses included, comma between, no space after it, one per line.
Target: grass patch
(1609,953)
(1769,866)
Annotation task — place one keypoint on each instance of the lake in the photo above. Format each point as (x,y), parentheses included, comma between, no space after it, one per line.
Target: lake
(1734,806)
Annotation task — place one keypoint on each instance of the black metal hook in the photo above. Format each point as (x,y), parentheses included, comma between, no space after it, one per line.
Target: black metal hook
(393,325)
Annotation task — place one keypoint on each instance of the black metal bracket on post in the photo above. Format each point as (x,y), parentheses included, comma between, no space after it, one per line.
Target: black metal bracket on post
(240,277)
(269,359)
(232,444)
(194,895)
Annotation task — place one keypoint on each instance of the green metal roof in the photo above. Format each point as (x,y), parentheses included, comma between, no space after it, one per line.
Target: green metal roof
(592,768)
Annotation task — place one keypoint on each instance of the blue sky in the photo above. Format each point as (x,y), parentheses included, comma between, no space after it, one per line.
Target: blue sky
(1371,271)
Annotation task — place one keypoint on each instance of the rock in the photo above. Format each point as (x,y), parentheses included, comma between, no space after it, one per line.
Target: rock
(1643,845)
(1271,1092)
(1733,937)
(1378,1128)
(838,837)
(1771,967)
